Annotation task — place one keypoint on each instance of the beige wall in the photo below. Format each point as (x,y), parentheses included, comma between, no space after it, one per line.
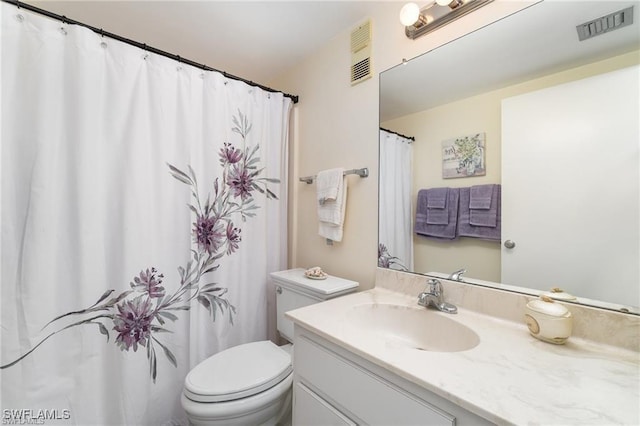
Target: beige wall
(481,113)
(336,125)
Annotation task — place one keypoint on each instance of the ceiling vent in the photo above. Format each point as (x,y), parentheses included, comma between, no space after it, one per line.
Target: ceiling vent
(361,68)
(604,24)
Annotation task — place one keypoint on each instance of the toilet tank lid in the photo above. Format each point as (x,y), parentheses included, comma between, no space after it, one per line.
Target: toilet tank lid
(238,372)
(327,287)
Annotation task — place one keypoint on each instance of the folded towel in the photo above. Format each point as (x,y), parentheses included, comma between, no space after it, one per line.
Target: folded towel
(437,213)
(481,196)
(439,231)
(466,229)
(328,183)
(333,231)
(432,216)
(437,198)
(484,216)
(329,194)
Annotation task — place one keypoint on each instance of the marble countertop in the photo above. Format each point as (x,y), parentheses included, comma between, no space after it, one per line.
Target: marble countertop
(510,377)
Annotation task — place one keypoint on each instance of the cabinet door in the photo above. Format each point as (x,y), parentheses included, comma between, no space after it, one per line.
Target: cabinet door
(371,399)
(309,409)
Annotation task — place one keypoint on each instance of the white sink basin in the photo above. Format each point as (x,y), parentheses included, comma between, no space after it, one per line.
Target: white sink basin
(416,328)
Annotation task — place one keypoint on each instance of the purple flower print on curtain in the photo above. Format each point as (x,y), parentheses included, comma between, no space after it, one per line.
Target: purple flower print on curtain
(240,182)
(149,282)
(208,233)
(140,314)
(133,323)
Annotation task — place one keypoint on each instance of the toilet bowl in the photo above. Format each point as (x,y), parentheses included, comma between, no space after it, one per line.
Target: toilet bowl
(245,384)
(250,384)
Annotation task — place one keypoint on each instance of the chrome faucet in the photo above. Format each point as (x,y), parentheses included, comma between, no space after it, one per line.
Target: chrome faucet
(433,295)
(457,275)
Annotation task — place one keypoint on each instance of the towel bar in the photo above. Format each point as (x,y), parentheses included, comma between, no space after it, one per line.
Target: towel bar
(363,173)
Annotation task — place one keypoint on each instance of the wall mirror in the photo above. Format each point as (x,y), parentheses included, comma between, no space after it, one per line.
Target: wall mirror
(553,123)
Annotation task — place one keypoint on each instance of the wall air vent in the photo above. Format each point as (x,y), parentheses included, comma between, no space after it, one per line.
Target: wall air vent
(604,24)
(361,68)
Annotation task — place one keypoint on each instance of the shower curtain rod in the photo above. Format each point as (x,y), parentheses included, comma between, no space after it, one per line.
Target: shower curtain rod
(64,19)
(398,134)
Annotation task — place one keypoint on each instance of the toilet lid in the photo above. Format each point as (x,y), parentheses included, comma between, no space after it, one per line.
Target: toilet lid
(238,372)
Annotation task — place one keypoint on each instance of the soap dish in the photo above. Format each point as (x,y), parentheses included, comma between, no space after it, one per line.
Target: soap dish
(548,321)
(311,277)
(315,273)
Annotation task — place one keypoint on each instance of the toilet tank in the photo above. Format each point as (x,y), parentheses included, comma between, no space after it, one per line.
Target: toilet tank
(294,290)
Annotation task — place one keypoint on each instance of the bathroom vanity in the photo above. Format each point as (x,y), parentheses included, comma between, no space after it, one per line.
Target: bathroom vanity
(336,386)
(376,357)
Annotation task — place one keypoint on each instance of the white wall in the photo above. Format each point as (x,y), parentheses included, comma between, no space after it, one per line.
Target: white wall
(336,125)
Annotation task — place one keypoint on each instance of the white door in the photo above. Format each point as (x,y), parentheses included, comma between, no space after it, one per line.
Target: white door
(571,187)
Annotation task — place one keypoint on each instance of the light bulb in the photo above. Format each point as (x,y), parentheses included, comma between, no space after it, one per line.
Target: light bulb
(409,14)
(443,2)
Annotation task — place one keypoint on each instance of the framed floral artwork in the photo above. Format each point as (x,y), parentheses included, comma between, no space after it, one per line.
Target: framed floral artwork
(463,156)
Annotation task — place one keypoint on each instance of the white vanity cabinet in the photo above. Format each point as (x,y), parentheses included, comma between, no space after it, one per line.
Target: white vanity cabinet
(333,386)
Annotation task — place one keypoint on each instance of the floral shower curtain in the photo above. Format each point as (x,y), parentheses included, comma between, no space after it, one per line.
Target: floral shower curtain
(395,235)
(143,206)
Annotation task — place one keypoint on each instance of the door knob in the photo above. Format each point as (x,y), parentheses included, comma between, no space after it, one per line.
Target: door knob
(509,244)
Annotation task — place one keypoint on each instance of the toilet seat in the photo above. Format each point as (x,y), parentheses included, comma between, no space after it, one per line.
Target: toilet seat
(238,372)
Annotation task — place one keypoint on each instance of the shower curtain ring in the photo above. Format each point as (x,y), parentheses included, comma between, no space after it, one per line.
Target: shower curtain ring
(64,22)
(103,44)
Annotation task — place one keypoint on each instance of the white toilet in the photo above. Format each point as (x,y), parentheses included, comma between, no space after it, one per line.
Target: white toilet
(250,384)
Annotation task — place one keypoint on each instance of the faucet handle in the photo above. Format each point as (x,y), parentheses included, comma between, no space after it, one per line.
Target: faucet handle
(435,286)
(457,275)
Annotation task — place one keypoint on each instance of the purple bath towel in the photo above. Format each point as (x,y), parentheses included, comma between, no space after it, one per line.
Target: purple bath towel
(466,229)
(421,207)
(437,198)
(481,196)
(428,215)
(483,205)
(441,231)
(437,213)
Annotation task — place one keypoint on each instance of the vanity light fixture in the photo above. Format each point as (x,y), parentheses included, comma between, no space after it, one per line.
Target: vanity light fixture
(418,22)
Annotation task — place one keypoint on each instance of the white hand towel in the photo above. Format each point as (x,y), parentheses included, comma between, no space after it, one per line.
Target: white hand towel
(332,200)
(329,230)
(329,188)
(327,184)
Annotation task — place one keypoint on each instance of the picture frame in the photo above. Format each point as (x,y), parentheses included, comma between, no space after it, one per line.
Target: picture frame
(464,156)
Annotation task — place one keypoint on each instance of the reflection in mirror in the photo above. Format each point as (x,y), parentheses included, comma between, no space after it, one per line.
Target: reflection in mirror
(524,109)
(395,245)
